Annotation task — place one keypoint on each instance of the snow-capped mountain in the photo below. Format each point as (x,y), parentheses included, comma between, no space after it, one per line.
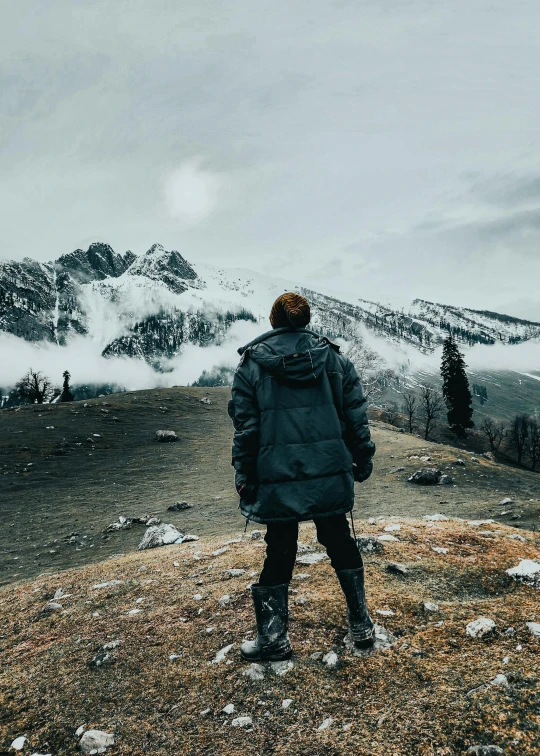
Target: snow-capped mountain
(151,306)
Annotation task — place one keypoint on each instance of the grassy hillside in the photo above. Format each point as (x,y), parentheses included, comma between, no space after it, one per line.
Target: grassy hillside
(164,689)
(61,485)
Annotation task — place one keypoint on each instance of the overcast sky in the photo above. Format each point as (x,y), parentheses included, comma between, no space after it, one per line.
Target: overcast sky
(388,148)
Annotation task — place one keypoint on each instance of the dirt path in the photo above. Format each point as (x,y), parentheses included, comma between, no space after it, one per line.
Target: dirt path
(73,469)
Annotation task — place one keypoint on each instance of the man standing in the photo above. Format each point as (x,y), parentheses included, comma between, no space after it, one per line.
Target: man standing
(301,439)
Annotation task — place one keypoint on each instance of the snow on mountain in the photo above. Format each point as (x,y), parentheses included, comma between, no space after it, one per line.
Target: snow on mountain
(153,305)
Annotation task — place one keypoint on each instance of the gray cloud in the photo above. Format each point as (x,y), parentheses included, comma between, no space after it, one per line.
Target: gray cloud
(396,140)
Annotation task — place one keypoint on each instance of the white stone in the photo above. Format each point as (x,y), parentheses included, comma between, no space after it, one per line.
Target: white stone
(527,571)
(197,597)
(96,741)
(286,703)
(235,572)
(242,722)
(281,667)
(500,681)
(112,644)
(480,627)
(439,549)
(476,523)
(436,517)
(392,528)
(254,672)
(325,724)
(517,537)
(222,653)
(385,612)
(224,600)
(330,659)
(18,743)
(387,537)
(429,606)
(506,501)
(108,584)
(220,551)
(134,611)
(534,627)
(229,709)
(79,731)
(312,558)
(302,576)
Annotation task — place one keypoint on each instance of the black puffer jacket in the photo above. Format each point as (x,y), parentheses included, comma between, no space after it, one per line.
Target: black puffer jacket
(300,422)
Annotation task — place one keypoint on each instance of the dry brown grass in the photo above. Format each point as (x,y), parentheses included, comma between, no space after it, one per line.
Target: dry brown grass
(411,699)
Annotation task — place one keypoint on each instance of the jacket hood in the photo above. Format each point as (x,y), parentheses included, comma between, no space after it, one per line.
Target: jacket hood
(295,356)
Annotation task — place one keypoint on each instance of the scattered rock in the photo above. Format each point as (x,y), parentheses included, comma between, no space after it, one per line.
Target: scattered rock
(500,681)
(166,436)
(123,523)
(254,672)
(179,506)
(527,571)
(388,537)
(224,600)
(517,537)
(205,400)
(286,703)
(439,549)
(52,606)
(239,721)
(331,659)
(281,667)
(111,645)
(302,576)
(459,463)
(385,612)
(95,741)
(429,606)
(445,480)
(369,544)
(505,502)
(397,569)
(108,584)
(229,709)
(220,551)
(222,653)
(436,517)
(18,743)
(313,558)
(190,537)
(256,535)
(102,660)
(160,535)
(325,724)
(235,572)
(534,627)
(153,521)
(477,523)
(427,476)
(392,528)
(480,628)
(486,750)
(396,470)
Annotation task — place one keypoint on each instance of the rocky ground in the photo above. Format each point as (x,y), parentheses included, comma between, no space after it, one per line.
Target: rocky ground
(143,648)
(68,471)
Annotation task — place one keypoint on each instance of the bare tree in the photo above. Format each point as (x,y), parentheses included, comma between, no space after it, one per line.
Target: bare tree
(373,374)
(409,408)
(494,431)
(518,436)
(533,444)
(34,387)
(432,405)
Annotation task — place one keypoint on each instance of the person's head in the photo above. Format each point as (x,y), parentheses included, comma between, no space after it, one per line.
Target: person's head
(290,310)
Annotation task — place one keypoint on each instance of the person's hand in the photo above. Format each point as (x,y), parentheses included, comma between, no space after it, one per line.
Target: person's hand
(246,488)
(362,471)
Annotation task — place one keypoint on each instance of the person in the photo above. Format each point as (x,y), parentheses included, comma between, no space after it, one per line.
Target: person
(301,439)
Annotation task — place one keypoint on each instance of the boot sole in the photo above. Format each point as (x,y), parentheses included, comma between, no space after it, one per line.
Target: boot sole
(268,658)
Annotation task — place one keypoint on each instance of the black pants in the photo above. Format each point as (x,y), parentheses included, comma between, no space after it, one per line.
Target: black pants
(281,545)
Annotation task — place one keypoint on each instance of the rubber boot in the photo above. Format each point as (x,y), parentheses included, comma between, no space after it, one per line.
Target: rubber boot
(362,627)
(271,603)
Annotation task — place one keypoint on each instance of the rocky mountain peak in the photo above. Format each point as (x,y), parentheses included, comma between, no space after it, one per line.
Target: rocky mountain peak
(99,261)
(169,267)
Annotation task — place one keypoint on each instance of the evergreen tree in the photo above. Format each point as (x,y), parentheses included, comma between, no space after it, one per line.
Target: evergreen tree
(67,395)
(456,391)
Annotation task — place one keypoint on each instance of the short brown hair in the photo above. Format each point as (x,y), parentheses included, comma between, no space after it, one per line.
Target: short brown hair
(291,310)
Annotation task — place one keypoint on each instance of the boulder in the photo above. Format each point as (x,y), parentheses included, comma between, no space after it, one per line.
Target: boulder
(313,558)
(445,480)
(166,436)
(160,535)
(427,476)
(486,750)
(96,741)
(480,628)
(397,569)
(254,672)
(527,571)
(534,628)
